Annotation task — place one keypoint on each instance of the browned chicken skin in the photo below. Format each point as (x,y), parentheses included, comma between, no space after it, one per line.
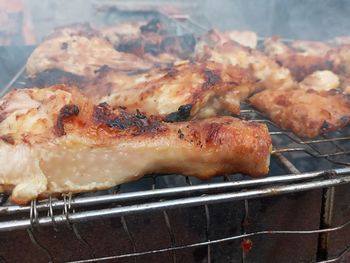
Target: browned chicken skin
(301,58)
(54,140)
(207,89)
(265,69)
(306,112)
(81,51)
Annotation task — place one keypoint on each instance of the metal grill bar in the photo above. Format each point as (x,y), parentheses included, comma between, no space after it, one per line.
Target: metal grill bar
(168,192)
(182,202)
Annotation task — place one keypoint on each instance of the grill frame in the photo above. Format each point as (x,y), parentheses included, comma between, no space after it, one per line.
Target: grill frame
(199,194)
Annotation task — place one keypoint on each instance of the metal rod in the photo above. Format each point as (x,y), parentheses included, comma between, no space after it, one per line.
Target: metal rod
(171,204)
(12,81)
(287,164)
(191,189)
(326,217)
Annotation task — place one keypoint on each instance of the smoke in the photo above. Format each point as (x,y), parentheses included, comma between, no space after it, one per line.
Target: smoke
(303,19)
(299,19)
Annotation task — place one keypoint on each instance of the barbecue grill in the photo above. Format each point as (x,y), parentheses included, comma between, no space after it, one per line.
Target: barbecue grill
(299,213)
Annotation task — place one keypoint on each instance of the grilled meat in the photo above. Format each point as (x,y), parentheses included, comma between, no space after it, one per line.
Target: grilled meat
(266,70)
(340,60)
(207,90)
(54,140)
(321,80)
(302,58)
(307,113)
(80,50)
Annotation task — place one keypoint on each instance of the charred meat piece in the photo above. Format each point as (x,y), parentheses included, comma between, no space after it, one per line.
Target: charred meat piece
(307,113)
(80,50)
(101,147)
(210,88)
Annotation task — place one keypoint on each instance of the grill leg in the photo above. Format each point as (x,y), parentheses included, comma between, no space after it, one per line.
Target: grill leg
(325,222)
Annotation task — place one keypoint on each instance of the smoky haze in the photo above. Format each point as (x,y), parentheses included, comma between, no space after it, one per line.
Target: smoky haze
(303,19)
(310,19)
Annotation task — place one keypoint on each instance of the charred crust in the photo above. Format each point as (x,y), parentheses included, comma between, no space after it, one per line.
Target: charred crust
(182,114)
(211,79)
(122,120)
(66,112)
(8,139)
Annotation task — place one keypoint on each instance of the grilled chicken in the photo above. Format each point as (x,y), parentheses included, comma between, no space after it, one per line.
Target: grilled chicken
(301,58)
(54,140)
(80,51)
(321,80)
(266,70)
(315,48)
(340,59)
(184,91)
(307,113)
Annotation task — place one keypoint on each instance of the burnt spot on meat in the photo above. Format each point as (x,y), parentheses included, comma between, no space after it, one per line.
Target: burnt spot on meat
(211,79)
(64,46)
(122,120)
(181,114)
(181,135)
(8,139)
(152,26)
(102,70)
(66,112)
